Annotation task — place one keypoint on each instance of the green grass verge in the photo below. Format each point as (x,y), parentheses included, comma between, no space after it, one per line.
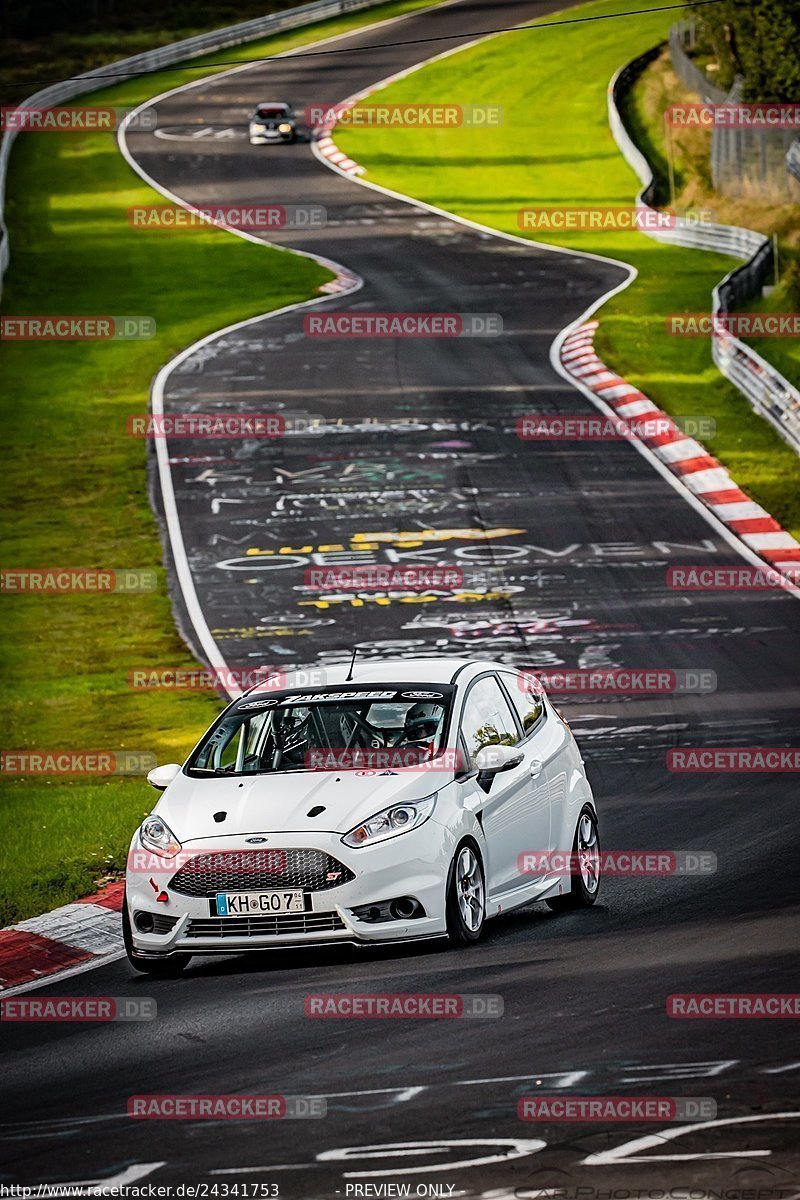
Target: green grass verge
(73,489)
(555,148)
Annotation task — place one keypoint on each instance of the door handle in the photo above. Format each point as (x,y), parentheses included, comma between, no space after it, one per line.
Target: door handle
(536,767)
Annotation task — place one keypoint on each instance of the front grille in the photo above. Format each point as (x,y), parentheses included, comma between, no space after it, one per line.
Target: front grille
(263,926)
(259,871)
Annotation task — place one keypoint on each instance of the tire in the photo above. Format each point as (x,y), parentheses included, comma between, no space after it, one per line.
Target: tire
(167,967)
(465,903)
(586,850)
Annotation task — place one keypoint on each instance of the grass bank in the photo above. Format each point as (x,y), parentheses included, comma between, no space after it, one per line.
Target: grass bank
(554,149)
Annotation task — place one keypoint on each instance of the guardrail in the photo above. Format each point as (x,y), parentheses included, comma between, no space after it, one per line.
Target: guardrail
(166,56)
(772,396)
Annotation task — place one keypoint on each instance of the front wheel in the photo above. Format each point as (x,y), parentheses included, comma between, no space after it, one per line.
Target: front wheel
(466,897)
(584,867)
(149,966)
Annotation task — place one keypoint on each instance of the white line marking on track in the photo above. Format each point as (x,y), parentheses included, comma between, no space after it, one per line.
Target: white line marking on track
(623,1153)
(518,1148)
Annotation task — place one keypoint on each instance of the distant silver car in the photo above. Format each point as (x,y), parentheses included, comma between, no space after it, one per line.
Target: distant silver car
(272,123)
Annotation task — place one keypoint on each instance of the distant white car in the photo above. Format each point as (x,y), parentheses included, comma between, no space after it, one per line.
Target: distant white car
(272,123)
(415,800)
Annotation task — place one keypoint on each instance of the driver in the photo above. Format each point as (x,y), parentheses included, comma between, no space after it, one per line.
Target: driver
(422,727)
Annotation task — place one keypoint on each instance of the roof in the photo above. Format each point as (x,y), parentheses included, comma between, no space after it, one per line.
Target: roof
(386,670)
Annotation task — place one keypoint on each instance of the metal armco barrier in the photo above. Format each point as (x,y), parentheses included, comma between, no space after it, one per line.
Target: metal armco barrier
(772,396)
(167,56)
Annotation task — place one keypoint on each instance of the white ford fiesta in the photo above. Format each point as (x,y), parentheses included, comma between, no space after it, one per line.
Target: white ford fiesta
(413,798)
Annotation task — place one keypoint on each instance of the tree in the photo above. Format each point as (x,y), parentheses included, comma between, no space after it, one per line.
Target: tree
(757,39)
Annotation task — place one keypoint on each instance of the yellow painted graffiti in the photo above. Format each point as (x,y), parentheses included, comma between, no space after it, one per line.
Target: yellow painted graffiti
(421,598)
(407,539)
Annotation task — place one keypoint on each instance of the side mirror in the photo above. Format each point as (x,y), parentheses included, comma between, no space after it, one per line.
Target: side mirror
(161,777)
(493,759)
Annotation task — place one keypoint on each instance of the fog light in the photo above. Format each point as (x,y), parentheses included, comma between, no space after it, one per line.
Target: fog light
(144,922)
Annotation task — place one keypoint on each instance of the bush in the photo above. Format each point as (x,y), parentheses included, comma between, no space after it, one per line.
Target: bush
(759,40)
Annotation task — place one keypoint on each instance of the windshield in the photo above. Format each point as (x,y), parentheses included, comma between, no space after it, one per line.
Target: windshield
(263,113)
(347,727)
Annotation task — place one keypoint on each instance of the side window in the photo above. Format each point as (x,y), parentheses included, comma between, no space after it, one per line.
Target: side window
(487,719)
(526,700)
(224,749)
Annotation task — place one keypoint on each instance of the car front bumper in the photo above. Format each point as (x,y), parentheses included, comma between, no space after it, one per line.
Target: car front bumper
(413,864)
(270,137)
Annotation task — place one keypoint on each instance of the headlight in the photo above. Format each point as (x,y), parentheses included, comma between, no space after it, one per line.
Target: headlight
(156,834)
(398,818)
(285,127)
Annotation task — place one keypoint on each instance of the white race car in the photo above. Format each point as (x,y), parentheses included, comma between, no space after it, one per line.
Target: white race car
(415,799)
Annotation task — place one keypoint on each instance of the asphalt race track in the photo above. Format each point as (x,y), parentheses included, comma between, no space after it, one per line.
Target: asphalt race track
(581,535)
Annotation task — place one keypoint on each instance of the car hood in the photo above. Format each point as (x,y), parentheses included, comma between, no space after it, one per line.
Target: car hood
(281,803)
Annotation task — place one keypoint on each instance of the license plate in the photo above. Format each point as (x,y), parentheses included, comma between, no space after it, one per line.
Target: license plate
(248,904)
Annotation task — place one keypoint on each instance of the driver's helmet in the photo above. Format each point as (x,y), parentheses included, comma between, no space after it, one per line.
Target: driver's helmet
(422,722)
